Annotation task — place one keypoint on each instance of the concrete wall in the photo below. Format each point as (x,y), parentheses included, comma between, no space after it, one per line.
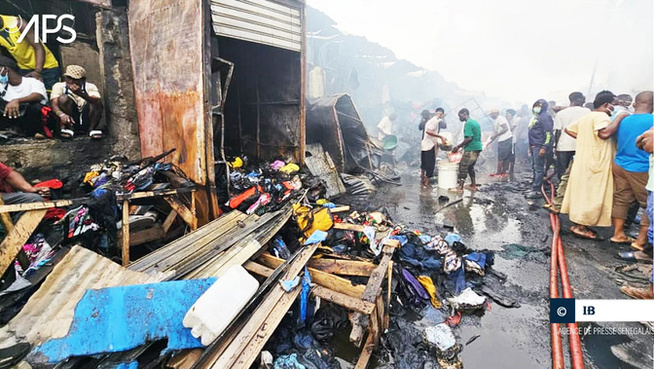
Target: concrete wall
(67,160)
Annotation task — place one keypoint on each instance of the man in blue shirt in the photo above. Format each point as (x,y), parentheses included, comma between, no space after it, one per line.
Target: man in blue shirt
(630,170)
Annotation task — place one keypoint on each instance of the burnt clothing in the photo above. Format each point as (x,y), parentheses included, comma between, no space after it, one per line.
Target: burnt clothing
(428,162)
(540,128)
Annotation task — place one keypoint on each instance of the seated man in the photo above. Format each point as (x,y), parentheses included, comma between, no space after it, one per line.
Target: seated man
(77,103)
(21,100)
(11,181)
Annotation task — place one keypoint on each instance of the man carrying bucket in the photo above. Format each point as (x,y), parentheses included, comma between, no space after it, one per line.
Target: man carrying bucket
(429,147)
(471,149)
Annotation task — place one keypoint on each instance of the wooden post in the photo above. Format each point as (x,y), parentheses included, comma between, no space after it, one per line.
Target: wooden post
(195,219)
(125,233)
(14,241)
(6,219)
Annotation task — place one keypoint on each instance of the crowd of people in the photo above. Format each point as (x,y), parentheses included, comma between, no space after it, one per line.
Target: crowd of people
(34,101)
(601,155)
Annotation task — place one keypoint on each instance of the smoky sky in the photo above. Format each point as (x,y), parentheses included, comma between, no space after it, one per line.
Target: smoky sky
(513,50)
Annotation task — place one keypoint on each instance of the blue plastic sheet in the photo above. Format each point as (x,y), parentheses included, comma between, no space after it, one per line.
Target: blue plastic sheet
(316,236)
(121,318)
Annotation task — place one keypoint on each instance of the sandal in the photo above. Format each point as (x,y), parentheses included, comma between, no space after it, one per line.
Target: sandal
(636,246)
(585,235)
(628,241)
(552,209)
(67,133)
(95,134)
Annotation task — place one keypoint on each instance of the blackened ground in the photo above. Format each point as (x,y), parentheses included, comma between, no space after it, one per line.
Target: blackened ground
(499,218)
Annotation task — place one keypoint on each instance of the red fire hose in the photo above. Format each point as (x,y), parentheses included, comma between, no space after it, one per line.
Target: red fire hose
(558,264)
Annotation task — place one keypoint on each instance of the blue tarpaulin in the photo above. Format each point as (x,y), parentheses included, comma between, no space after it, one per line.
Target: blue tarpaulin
(121,318)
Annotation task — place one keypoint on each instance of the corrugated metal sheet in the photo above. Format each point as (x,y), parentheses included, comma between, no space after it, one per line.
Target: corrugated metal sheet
(49,312)
(260,21)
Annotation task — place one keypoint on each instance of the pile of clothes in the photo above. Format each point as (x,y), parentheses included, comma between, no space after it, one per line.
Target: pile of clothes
(264,188)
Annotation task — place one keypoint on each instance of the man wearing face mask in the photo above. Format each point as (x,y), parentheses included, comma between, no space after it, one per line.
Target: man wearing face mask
(77,104)
(540,142)
(21,100)
(589,195)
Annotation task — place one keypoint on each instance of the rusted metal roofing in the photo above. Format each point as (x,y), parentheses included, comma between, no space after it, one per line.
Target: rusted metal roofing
(49,312)
(259,21)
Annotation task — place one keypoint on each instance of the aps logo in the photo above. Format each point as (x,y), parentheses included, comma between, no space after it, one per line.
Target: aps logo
(44,25)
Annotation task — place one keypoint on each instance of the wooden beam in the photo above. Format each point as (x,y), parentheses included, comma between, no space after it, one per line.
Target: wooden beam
(324,293)
(343,300)
(263,321)
(366,353)
(16,238)
(182,211)
(349,227)
(34,206)
(334,283)
(340,209)
(170,219)
(343,267)
(144,236)
(184,359)
(372,291)
(125,230)
(146,194)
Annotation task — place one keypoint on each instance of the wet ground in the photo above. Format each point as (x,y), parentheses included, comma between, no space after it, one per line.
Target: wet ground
(499,218)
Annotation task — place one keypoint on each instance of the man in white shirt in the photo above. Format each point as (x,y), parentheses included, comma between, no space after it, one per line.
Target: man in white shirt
(77,103)
(429,147)
(504,145)
(564,144)
(21,100)
(514,121)
(385,126)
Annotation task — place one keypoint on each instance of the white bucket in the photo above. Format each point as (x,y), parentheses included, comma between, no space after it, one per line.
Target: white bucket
(447,174)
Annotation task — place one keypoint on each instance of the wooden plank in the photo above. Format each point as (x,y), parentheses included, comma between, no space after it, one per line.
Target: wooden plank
(343,300)
(265,330)
(372,291)
(169,221)
(125,230)
(340,209)
(14,241)
(34,206)
(334,283)
(185,359)
(324,293)
(364,358)
(343,267)
(257,325)
(182,211)
(349,227)
(157,193)
(144,236)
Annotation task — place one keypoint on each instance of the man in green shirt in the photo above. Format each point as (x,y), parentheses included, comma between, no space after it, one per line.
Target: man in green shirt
(471,149)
